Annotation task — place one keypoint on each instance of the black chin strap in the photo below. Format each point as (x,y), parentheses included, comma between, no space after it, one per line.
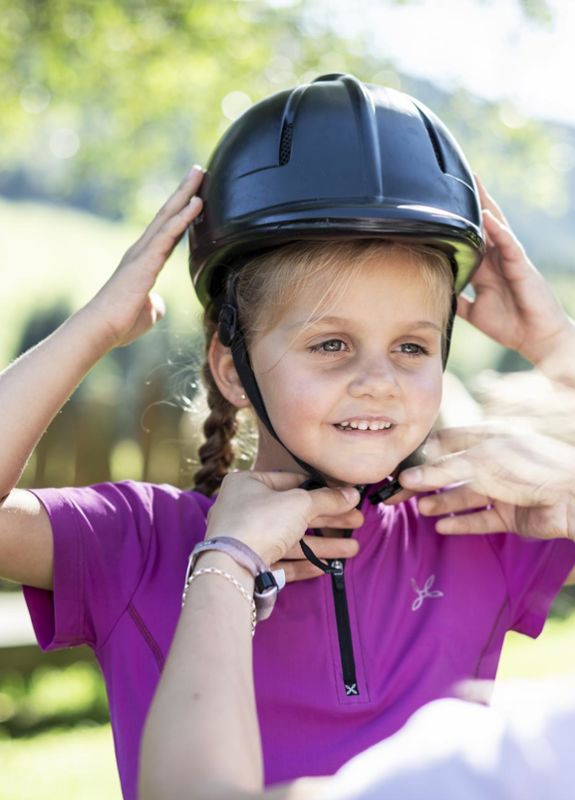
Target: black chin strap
(231,335)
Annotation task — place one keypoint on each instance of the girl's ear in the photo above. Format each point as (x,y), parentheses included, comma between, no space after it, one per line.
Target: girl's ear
(225,375)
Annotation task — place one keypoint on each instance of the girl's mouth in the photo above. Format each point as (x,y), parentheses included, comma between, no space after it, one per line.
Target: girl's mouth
(364,425)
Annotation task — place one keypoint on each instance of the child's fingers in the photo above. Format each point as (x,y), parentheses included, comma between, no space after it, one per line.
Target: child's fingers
(162,243)
(175,204)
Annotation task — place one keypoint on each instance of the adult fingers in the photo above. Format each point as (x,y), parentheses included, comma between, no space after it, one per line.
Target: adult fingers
(349,519)
(487,520)
(332,502)
(443,472)
(298,570)
(325,547)
(446,441)
(399,497)
(460,498)
(488,202)
(464,307)
(501,236)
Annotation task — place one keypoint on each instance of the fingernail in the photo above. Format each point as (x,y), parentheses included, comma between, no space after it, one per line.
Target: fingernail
(194,171)
(350,493)
(426,506)
(411,477)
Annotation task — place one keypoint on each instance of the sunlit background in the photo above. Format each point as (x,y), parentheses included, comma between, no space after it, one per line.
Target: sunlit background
(103,107)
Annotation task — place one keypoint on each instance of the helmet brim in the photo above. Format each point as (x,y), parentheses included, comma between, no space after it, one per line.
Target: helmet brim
(455,236)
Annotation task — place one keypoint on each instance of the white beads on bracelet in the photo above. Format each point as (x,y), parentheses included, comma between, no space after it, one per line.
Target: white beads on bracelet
(231,579)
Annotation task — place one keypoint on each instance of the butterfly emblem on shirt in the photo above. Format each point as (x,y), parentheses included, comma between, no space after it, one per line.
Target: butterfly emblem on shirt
(422,594)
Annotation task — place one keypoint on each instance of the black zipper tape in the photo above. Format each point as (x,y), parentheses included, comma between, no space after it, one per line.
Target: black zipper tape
(343,628)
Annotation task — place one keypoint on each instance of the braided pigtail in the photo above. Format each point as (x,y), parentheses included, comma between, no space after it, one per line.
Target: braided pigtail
(216,455)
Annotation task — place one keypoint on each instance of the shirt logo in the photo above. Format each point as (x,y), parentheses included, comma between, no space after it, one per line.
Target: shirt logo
(425,592)
(351,688)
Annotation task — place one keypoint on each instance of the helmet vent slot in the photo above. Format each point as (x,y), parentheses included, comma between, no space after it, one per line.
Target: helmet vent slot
(434,141)
(285,143)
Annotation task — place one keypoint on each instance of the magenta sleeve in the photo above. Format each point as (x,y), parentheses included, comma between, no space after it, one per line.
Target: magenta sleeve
(535,570)
(101,537)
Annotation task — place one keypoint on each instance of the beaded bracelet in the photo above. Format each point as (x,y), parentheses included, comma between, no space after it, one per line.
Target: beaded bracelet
(231,579)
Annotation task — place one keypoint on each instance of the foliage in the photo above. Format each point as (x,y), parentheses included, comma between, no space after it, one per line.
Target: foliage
(103,104)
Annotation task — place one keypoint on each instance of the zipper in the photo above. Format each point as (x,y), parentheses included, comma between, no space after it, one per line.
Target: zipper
(343,628)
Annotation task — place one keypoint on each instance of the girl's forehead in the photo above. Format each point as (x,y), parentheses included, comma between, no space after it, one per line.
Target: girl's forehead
(366,285)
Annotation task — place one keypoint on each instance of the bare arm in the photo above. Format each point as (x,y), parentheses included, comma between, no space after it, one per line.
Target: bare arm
(36,386)
(202,738)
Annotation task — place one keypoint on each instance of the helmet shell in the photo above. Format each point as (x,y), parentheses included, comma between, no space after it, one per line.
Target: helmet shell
(334,158)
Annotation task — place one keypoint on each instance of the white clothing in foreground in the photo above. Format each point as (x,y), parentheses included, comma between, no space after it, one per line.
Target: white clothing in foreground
(523,748)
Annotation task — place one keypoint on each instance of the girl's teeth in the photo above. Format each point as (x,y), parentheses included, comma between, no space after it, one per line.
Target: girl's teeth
(364,426)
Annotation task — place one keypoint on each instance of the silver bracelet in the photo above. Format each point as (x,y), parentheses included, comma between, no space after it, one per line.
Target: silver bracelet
(231,579)
(267,582)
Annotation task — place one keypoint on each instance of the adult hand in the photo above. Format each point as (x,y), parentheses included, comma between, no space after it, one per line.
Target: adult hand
(125,306)
(504,482)
(270,513)
(513,303)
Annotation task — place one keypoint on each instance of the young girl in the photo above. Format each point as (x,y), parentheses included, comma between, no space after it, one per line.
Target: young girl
(333,320)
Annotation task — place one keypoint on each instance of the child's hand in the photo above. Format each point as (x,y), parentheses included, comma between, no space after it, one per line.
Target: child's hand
(514,305)
(125,306)
(270,513)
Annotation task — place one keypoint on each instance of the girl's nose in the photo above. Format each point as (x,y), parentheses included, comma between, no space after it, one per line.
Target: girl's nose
(376,379)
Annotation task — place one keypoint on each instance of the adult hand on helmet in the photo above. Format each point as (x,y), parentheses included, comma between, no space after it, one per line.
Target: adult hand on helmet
(125,307)
(270,513)
(503,482)
(514,304)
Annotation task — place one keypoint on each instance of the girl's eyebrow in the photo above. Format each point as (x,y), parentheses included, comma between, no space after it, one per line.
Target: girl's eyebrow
(311,322)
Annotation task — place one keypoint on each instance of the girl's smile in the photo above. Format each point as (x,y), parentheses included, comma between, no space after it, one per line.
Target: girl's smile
(356,390)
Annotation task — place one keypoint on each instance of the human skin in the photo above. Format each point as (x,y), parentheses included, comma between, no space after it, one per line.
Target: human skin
(374,357)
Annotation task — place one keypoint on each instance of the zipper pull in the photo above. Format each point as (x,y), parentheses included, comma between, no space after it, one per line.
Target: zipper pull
(337,574)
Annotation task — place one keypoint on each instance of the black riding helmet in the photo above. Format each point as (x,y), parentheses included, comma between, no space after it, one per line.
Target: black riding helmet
(336,158)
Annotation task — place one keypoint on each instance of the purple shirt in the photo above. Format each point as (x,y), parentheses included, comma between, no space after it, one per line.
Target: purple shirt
(425,612)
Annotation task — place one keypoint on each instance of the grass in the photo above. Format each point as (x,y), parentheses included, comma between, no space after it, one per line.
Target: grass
(79,762)
(553,653)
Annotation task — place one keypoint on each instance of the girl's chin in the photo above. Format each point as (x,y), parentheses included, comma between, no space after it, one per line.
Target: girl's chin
(359,477)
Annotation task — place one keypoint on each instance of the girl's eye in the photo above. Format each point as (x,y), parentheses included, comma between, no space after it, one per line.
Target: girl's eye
(413,349)
(329,346)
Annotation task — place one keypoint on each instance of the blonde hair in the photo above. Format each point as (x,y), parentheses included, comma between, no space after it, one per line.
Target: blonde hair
(270,283)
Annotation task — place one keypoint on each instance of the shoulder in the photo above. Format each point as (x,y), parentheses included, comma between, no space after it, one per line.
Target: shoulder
(124,506)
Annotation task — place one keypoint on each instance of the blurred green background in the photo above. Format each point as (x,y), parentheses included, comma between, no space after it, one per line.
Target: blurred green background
(103,107)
